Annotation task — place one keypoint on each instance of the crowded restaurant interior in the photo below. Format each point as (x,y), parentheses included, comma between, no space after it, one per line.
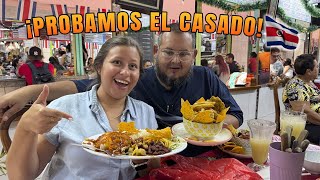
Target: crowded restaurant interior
(157,104)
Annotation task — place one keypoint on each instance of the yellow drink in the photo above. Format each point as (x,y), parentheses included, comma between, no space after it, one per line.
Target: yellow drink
(297,122)
(260,149)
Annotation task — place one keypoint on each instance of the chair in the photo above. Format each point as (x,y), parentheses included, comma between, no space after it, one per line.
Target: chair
(275,87)
(5,125)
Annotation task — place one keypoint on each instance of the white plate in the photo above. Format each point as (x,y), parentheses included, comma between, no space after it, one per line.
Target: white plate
(221,138)
(91,149)
(243,156)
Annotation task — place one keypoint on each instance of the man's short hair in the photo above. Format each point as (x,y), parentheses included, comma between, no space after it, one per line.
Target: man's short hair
(304,62)
(204,62)
(175,28)
(230,55)
(274,49)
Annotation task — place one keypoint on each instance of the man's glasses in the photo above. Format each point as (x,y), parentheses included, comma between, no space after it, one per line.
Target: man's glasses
(183,55)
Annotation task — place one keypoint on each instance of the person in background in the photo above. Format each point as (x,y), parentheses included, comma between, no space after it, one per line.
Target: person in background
(61,56)
(264,65)
(173,77)
(300,92)
(54,60)
(2,70)
(147,64)
(233,65)
(276,65)
(66,59)
(35,57)
(52,134)
(89,67)
(204,62)
(288,71)
(222,69)
(252,63)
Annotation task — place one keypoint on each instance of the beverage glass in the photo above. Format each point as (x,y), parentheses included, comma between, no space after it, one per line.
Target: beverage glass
(294,118)
(261,132)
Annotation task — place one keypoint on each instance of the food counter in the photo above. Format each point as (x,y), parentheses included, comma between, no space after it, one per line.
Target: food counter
(256,101)
(246,97)
(8,84)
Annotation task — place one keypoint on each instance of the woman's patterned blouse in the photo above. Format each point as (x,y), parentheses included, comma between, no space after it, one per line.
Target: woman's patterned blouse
(297,90)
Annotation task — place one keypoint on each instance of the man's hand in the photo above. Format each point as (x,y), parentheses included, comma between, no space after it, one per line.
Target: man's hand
(13,102)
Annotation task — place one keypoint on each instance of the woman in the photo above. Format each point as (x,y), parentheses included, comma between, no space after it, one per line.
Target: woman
(47,134)
(252,63)
(288,69)
(222,69)
(300,93)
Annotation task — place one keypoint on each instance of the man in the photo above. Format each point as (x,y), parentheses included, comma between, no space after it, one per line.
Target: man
(36,71)
(233,65)
(276,65)
(173,77)
(55,61)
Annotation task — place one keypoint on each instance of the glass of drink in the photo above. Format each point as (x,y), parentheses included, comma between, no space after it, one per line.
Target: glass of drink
(294,118)
(261,132)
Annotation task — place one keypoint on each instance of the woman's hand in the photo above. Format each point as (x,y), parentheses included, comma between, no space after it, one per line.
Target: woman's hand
(39,119)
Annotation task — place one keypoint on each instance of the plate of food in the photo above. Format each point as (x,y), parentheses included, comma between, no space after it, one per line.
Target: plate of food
(234,150)
(131,143)
(202,122)
(239,145)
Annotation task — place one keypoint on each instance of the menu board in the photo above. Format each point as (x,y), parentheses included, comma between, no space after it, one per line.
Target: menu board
(20,33)
(98,38)
(61,37)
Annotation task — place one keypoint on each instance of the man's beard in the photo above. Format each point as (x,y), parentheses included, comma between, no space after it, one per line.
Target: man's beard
(170,82)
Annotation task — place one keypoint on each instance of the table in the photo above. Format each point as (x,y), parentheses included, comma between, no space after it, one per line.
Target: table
(216,153)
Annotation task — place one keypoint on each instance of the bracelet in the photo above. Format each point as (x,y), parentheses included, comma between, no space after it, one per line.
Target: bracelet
(139,167)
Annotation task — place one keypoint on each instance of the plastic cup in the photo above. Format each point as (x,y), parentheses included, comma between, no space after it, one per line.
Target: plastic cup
(284,165)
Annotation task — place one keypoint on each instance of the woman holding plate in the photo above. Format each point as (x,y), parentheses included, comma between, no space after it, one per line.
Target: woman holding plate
(53,134)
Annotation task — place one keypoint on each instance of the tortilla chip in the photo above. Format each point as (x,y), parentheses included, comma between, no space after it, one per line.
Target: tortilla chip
(128,127)
(206,116)
(222,115)
(186,110)
(200,100)
(232,129)
(203,105)
(162,133)
(238,150)
(219,105)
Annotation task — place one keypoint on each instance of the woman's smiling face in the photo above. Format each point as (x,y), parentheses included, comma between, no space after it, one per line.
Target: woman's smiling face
(120,71)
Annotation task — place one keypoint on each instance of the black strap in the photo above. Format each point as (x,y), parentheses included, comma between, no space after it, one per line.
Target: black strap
(34,71)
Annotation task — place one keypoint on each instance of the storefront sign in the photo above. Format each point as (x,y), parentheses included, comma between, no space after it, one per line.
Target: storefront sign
(59,37)
(144,6)
(98,38)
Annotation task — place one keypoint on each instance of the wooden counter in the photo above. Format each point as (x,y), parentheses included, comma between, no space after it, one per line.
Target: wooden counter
(8,84)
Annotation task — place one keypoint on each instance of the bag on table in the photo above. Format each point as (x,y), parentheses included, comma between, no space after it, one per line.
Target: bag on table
(194,168)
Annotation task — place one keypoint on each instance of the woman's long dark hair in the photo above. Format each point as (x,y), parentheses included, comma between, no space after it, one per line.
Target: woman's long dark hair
(288,62)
